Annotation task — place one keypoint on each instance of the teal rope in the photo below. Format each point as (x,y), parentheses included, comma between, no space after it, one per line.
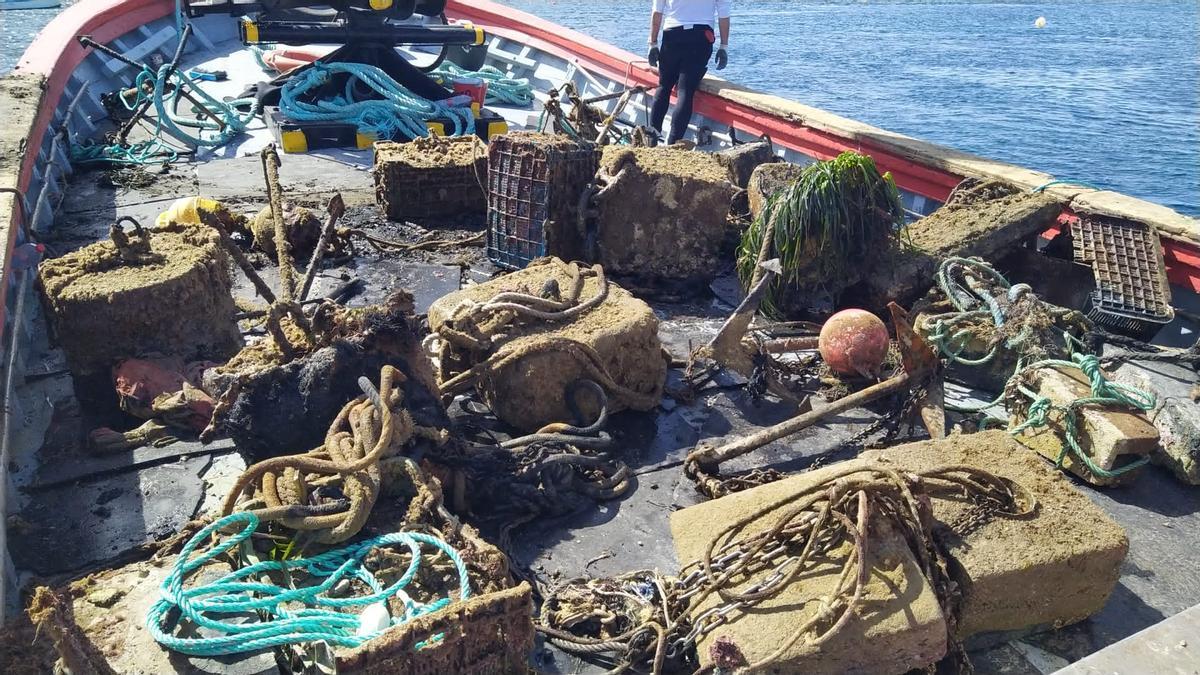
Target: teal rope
(501,90)
(1103,393)
(1066,182)
(235,122)
(399,111)
(259,51)
(219,606)
(154,150)
(974,303)
(970,303)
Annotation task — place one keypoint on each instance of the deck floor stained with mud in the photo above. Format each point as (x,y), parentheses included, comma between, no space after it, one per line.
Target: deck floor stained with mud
(1160,515)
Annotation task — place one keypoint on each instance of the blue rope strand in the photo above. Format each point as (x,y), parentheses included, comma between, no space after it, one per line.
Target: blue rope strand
(398,112)
(217,605)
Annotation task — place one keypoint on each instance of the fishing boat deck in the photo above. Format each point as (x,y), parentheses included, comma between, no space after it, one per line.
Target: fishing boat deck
(77,511)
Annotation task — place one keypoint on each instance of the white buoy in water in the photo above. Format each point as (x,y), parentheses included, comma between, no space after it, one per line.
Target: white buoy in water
(1040,23)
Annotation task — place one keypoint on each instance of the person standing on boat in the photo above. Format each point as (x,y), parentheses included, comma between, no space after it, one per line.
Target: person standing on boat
(687,45)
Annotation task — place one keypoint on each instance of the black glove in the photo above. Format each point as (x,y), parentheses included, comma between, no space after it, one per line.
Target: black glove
(652,56)
(722,58)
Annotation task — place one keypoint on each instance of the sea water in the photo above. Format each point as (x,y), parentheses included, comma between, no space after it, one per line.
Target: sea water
(1107,91)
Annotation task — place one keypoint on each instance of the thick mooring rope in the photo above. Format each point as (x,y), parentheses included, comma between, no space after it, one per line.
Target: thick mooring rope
(249,612)
(501,90)
(368,430)
(397,111)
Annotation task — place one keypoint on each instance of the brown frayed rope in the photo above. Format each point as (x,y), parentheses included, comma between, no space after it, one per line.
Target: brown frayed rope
(368,431)
(467,354)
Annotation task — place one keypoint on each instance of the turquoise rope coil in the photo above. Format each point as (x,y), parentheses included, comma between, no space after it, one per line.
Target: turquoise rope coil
(153,151)
(971,303)
(398,112)
(287,615)
(502,90)
(234,122)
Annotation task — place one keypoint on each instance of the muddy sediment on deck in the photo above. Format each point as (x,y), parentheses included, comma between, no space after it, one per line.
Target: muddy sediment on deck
(168,293)
(663,215)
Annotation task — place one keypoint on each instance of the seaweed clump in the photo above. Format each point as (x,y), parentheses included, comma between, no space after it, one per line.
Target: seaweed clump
(826,228)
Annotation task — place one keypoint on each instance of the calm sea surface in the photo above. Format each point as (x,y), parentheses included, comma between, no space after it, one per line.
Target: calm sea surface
(1108,92)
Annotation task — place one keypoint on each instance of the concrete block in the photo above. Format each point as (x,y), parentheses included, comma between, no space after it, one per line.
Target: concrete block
(431,178)
(1111,437)
(1057,567)
(767,180)
(983,222)
(107,303)
(1177,416)
(742,160)
(110,613)
(531,391)
(663,215)
(899,627)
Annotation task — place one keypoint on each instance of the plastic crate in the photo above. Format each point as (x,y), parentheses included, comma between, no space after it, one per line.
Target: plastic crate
(1133,295)
(492,633)
(535,182)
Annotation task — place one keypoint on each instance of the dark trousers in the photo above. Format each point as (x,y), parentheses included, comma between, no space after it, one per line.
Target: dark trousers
(683,61)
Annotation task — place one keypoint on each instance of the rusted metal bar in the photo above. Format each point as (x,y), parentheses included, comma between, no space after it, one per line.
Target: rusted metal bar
(795,344)
(711,456)
(920,367)
(334,209)
(616,94)
(214,221)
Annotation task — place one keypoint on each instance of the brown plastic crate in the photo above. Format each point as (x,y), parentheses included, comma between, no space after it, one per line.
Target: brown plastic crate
(491,633)
(535,182)
(1132,292)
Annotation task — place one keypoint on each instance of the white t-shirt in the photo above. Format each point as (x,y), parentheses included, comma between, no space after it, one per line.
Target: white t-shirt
(688,12)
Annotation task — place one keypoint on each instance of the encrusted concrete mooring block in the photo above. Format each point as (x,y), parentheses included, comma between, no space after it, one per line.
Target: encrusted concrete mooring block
(165,291)
(1177,416)
(532,391)
(742,160)
(898,627)
(1053,568)
(767,180)
(663,214)
(1111,437)
(433,177)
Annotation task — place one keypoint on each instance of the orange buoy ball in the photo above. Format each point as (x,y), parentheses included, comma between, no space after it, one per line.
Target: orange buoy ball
(854,342)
